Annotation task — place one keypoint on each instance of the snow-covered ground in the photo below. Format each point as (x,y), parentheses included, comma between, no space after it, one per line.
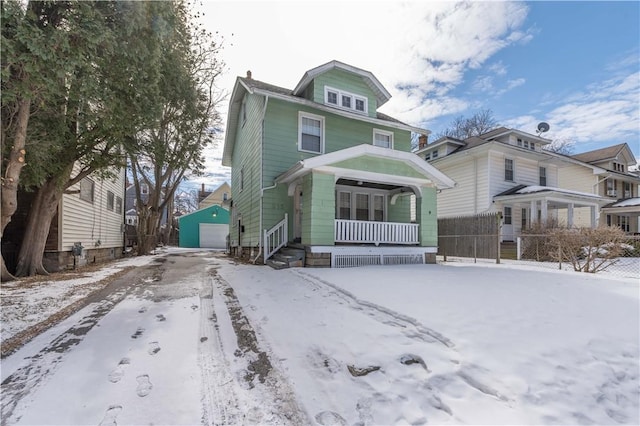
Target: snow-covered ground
(414,344)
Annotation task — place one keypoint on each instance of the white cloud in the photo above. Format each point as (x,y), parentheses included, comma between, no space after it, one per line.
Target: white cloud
(606,111)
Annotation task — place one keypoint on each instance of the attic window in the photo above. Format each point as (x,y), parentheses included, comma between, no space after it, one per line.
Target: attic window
(345,100)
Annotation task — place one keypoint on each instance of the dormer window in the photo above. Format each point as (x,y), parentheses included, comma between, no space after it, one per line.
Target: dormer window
(618,167)
(345,100)
(434,155)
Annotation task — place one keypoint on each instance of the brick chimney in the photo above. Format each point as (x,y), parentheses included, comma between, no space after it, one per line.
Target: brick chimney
(249,75)
(203,187)
(422,141)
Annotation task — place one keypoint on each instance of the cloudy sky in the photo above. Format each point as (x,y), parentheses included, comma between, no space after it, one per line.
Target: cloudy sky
(575,65)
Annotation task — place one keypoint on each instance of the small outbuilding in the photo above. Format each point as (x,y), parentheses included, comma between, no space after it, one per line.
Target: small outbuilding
(207,227)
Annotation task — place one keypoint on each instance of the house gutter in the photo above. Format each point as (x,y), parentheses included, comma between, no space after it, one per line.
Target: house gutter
(264,111)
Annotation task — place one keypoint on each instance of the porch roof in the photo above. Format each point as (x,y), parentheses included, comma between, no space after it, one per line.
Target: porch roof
(427,174)
(527,193)
(629,205)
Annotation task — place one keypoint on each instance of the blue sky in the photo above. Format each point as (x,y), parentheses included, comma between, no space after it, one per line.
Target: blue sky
(575,65)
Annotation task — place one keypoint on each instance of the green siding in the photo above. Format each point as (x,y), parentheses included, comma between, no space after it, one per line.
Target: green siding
(190,224)
(281,136)
(318,209)
(246,154)
(343,80)
(427,217)
(400,212)
(379,165)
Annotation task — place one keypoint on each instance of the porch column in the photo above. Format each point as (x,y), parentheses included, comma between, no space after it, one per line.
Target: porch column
(426,216)
(318,209)
(570,215)
(543,215)
(594,216)
(533,211)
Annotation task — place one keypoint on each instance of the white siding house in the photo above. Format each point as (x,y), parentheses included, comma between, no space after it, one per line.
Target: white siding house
(91,213)
(508,171)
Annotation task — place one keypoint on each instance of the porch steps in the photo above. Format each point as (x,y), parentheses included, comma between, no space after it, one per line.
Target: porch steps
(287,257)
(508,250)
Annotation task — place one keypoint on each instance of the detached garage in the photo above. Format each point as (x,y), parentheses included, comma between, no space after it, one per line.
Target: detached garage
(207,228)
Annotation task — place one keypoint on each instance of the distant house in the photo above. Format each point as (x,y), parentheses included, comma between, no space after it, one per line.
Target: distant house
(131,215)
(90,216)
(508,171)
(221,196)
(319,168)
(606,172)
(207,227)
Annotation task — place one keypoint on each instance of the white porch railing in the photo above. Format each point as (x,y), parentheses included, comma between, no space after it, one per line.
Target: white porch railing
(362,231)
(276,237)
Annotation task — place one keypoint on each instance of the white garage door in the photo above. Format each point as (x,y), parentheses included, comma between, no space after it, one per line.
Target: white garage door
(213,235)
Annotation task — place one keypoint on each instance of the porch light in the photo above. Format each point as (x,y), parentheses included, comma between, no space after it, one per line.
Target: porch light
(215,211)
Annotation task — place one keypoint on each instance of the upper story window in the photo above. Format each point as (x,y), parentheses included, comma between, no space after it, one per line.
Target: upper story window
(243,112)
(86,190)
(627,190)
(611,185)
(526,144)
(508,169)
(119,204)
(543,176)
(310,133)
(618,167)
(382,138)
(111,200)
(144,188)
(434,154)
(345,100)
(225,196)
(427,156)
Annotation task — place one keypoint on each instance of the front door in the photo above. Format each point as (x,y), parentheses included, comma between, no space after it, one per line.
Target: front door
(507,224)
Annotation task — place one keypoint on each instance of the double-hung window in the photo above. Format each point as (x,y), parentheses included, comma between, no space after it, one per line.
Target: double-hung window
(310,133)
(543,176)
(86,190)
(383,139)
(111,197)
(508,169)
(344,205)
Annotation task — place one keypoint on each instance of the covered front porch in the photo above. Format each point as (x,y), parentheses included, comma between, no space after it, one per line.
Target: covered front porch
(525,206)
(364,205)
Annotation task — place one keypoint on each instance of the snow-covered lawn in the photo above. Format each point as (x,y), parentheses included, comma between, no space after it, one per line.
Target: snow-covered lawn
(499,344)
(450,343)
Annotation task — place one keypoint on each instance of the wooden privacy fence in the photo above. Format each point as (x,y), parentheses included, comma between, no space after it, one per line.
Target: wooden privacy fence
(475,236)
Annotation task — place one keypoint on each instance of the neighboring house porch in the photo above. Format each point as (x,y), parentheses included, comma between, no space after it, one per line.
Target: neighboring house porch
(524,205)
(353,207)
(624,214)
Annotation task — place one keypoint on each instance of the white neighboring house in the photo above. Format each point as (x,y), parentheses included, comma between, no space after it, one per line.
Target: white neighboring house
(507,171)
(91,214)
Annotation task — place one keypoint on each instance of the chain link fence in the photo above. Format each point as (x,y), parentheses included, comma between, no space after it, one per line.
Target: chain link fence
(619,259)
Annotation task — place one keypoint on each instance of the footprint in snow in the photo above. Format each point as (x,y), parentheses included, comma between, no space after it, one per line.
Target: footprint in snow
(160,317)
(142,310)
(327,418)
(144,385)
(118,372)
(154,348)
(110,416)
(138,333)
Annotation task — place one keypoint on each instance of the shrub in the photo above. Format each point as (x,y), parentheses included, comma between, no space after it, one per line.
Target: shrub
(588,250)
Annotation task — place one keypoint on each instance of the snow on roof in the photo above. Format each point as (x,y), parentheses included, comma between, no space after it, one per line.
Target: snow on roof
(627,203)
(537,188)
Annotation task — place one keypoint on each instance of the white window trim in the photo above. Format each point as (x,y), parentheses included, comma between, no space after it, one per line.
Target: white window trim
(320,118)
(384,133)
(340,94)
(370,192)
(513,169)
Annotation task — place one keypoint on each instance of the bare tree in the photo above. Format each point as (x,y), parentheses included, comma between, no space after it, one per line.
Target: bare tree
(465,127)
(563,146)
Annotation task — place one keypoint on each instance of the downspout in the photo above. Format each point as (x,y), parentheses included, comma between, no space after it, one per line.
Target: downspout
(264,111)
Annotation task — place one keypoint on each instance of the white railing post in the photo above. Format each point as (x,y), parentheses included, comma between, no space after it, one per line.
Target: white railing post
(276,237)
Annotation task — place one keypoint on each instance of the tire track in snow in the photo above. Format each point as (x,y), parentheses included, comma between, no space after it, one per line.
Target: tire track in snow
(266,396)
(411,327)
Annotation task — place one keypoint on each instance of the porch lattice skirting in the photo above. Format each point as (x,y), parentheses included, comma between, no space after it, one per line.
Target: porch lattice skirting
(353,260)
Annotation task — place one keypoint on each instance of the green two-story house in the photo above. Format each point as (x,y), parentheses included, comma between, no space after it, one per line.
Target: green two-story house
(320,168)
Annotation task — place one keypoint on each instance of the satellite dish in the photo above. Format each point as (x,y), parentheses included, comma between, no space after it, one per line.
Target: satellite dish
(543,127)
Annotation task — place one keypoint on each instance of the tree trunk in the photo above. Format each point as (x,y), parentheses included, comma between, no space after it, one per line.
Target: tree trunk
(38,223)
(147,231)
(11,177)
